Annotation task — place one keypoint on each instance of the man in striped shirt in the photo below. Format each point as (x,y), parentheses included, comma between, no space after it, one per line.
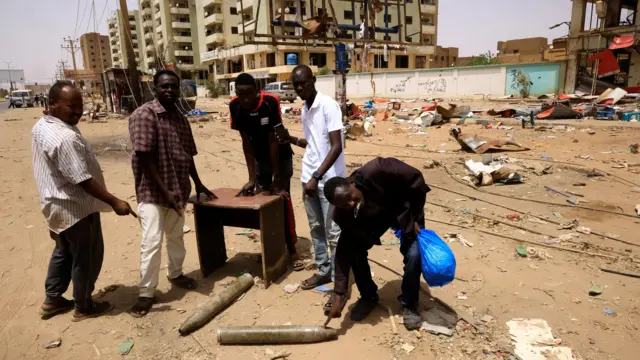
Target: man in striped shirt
(72,195)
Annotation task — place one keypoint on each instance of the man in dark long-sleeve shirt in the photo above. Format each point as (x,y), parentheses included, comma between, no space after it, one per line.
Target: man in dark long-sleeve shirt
(383,193)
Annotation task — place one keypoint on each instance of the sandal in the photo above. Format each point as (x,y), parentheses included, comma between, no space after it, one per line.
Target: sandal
(184,282)
(55,307)
(142,307)
(314,281)
(97,309)
(298,265)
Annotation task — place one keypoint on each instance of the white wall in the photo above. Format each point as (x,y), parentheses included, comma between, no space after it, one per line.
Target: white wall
(452,82)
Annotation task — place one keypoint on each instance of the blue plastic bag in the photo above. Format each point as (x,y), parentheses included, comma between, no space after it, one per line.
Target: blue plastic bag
(437,259)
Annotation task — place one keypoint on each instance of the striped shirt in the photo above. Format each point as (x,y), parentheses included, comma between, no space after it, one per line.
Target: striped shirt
(62,159)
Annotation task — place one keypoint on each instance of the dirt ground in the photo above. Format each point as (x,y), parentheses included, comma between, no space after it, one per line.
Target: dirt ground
(494,284)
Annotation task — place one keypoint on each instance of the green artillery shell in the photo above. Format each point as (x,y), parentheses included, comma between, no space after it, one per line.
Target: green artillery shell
(218,302)
(285,334)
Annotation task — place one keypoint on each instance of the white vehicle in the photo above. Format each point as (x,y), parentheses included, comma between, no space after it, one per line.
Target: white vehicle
(22,98)
(232,88)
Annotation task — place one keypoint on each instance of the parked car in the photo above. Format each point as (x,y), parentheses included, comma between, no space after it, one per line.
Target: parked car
(284,90)
(22,98)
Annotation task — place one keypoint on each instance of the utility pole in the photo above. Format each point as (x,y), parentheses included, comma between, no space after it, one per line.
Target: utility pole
(62,69)
(72,49)
(10,81)
(131,56)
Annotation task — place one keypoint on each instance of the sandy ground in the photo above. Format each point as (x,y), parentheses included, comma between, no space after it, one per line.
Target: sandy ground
(493,280)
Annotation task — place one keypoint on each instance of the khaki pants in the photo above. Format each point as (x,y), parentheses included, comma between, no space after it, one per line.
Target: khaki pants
(157,221)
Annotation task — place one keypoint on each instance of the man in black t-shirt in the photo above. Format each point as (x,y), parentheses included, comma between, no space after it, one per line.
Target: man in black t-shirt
(255,115)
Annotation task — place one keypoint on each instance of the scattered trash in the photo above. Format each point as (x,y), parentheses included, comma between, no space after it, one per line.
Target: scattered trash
(104,291)
(407,347)
(323,289)
(559,111)
(126,346)
(546,157)
(451,237)
(462,297)
(638,209)
(521,250)
(488,174)
(538,253)
(248,233)
(633,148)
(436,329)
(570,198)
(475,144)
(533,340)
(584,230)
(579,184)
(291,288)
(569,225)
(52,344)
(595,290)
(609,312)
(487,318)
(513,217)
(556,214)
(430,164)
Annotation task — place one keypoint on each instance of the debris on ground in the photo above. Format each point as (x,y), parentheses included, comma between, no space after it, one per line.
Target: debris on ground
(595,290)
(513,217)
(478,145)
(569,225)
(451,237)
(521,250)
(584,230)
(408,348)
(126,346)
(633,148)
(431,164)
(248,233)
(494,172)
(291,288)
(570,198)
(104,291)
(609,312)
(638,209)
(52,344)
(533,340)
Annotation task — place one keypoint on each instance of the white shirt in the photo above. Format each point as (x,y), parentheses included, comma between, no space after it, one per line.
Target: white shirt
(323,117)
(62,159)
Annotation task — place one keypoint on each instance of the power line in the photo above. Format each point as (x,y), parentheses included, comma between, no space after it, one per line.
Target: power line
(84,12)
(77,17)
(103,11)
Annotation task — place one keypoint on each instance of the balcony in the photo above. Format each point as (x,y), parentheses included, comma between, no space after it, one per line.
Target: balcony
(428,29)
(214,38)
(213,19)
(147,24)
(211,2)
(248,27)
(113,31)
(150,60)
(150,48)
(146,11)
(248,4)
(183,52)
(148,36)
(183,39)
(157,15)
(428,9)
(179,10)
(181,24)
(134,31)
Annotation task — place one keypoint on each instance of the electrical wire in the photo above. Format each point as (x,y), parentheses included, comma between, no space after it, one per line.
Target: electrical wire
(134,53)
(84,12)
(75,27)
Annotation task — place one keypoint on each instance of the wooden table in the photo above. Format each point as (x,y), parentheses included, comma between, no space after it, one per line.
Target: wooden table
(262,212)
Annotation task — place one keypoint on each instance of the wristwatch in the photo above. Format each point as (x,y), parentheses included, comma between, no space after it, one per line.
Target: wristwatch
(316,175)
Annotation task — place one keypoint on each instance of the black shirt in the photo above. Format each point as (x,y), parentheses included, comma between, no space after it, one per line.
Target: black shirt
(258,124)
(394,195)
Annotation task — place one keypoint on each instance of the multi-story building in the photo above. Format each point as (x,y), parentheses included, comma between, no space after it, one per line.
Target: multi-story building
(527,50)
(96,52)
(600,26)
(118,36)
(221,39)
(444,57)
(172,37)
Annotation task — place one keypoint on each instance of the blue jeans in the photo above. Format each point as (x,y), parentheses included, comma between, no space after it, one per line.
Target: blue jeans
(324,231)
(411,276)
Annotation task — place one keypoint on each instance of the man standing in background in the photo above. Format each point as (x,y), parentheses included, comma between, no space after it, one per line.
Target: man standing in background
(323,159)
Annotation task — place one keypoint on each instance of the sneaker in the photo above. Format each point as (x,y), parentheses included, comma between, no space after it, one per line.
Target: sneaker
(412,320)
(363,308)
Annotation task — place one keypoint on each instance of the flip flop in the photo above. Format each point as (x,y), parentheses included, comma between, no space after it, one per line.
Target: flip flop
(142,307)
(314,281)
(64,306)
(298,265)
(184,282)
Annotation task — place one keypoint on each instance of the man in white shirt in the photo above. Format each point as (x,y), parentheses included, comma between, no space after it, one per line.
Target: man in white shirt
(323,159)
(72,195)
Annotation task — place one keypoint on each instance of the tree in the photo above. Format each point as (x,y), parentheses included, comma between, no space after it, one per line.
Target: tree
(324,71)
(483,59)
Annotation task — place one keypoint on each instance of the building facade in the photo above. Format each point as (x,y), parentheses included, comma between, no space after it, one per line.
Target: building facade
(118,36)
(444,57)
(518,51)
(223,50)
(171,37)
(96,51)
(598,27)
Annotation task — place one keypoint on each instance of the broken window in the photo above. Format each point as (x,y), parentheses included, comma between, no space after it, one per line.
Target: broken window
(408,20)
(402,61)
(233,11)
(379,62)
(234,29)
(348,15)
(271,59)
(318,59)
(421,62)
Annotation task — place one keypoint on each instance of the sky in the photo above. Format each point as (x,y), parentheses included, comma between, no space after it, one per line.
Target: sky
(33,30)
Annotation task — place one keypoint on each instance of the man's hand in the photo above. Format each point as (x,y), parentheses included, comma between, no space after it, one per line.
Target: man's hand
(277,190)
(249,189)
(283,136)
(336,309)
(201,189)
(311,187)
(173,202)
(122,208)
(417,228)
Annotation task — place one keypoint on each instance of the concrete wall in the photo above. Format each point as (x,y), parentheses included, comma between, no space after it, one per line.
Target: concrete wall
(492,80)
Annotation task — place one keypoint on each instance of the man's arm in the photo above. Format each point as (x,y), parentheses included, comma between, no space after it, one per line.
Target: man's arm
(274,153)
(409,185)
(335,140)
(298,141)
(248,156)
(99,192)
(200,188)
(147,160)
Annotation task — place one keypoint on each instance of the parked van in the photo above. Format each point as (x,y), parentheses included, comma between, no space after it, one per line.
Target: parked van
(284,90)
(22,98)
(232,88)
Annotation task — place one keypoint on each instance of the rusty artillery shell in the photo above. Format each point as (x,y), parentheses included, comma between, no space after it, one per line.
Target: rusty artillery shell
(218,302)
(285,334)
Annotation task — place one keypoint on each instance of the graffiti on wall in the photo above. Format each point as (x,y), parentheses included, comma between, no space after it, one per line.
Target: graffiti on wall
(433,85)
(401,86)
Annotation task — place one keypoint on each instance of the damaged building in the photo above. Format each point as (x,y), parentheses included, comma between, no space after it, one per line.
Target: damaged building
(602,46)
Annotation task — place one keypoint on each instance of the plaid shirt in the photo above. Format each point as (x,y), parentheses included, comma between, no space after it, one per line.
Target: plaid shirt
(168,136)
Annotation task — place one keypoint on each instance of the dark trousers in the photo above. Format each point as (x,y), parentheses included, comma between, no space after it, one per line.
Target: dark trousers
(410,250)
(77,257)
(264,179)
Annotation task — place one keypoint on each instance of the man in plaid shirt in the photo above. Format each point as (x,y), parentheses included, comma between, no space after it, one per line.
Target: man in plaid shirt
(162,163)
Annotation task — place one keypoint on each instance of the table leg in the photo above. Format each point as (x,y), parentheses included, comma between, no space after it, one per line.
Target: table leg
(274,251)
(212,251)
